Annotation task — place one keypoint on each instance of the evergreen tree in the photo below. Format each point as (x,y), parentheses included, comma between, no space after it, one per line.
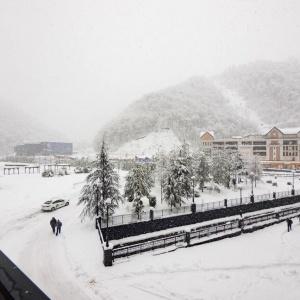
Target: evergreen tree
(178,182)
(171,193)
(161,165)
(139,183)
(221,168)
(202,170)
(101,184)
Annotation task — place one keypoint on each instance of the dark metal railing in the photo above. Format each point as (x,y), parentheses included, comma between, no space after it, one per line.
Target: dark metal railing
(198,233)
(186,209)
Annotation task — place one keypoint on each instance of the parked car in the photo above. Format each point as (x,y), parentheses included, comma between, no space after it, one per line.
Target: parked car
(289,183)
(269,181)
(51,205)
(197,194)
(274,184)
(79,170)
(48,173)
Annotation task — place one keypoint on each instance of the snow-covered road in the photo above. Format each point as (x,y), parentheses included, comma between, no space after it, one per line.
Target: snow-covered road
(262,265)
(26,236)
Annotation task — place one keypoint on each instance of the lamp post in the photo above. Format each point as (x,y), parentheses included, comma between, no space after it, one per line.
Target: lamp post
(108,204)
(193,206)
(241,197)
(193,180)
(252,194)
(293,188)
(97,199)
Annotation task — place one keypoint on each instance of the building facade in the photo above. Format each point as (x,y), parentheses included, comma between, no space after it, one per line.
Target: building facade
(277,148)
(44,149)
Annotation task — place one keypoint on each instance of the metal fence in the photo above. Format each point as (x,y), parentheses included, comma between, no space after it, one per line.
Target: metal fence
(198,233)
(186,209)
(148,246)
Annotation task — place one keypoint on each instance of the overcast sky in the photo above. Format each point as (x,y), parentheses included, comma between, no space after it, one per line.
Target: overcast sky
(79,63)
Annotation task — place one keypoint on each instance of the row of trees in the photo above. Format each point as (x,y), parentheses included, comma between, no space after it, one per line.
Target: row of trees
(177,174)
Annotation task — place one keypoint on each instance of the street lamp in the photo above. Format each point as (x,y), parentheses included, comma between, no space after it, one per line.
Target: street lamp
(293,188)
(252,195)
(108,204)
(241,197)
(193,179)
(193,206)
(97,199)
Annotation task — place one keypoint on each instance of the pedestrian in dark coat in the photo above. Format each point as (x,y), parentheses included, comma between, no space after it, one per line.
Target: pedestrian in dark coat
(289,224)
(58,226)
(53,224)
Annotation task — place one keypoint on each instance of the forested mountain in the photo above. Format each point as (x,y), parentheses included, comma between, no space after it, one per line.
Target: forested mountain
(271,89)
(186,109)
(239,101)
(17,127)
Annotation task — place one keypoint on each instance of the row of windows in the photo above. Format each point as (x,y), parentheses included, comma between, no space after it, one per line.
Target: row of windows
(290,142)
(290,153)
(290,148)
(257,148)
(259,142)
(260,153)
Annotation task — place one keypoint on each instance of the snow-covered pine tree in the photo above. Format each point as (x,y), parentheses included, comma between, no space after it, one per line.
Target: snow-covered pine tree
(171,194)
(139,183)
(178,180)
(101,184)
(237,166)
(161,165)
(202,169)
(253,165)
(221,168)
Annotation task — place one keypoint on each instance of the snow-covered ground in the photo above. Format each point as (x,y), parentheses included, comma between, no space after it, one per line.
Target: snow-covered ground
(262,265)
(163,140)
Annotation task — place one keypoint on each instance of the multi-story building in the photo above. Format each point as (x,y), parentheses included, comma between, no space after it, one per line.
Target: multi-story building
(275,149)
(44,148)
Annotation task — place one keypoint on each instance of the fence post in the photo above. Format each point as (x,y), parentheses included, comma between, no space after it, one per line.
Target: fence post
(151,213)
(188,236)
(193,208)
(108,255)
(225,203)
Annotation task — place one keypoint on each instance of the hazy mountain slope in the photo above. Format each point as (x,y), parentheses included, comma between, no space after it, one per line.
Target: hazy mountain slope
(16,127)
(185,109)
(163,140)
(271,89)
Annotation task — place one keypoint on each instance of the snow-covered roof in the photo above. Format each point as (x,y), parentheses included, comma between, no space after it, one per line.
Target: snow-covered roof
(207,131)
(293,130)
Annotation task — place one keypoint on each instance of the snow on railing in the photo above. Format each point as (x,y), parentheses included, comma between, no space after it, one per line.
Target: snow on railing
(186,209)
(200,233)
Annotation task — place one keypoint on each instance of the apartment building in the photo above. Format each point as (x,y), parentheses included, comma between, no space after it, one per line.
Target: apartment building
(277,148)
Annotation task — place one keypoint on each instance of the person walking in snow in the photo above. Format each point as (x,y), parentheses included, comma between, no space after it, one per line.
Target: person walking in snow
(53,224)
(289,224)
(58,226)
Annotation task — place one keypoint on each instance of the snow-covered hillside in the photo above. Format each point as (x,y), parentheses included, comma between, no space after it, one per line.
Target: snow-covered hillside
(184,108)
(163,140)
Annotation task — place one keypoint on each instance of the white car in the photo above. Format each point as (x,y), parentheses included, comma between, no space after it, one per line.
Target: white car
(54,204)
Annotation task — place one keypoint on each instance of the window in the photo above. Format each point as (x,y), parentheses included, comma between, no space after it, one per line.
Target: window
(246,143)
(257,148)
(231,143)
(290,142)
(259,143)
